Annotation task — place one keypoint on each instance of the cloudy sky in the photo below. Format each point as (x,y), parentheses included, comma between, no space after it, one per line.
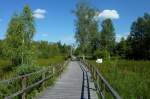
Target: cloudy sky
(55,22)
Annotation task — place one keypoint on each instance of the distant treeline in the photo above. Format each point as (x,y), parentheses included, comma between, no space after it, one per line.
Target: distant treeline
(100,41)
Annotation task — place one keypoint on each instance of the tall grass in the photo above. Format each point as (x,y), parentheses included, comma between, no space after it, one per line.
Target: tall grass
(7,89)
(50,61)
(8,71)
(131,79)
(5,69)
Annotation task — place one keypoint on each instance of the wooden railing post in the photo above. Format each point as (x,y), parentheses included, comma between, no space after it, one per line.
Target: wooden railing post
(97,82)
(43,77)
(103,88)
(53,71)
(61,69)
(95,74)
(93,71)
(23,83)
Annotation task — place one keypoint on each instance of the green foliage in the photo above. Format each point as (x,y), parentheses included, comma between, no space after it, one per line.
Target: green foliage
(47,50)
(3,63)
(2,48)
(98,54)
(107,36)
(121,48)
(101,54)
(86,28)
(26,69)
(50,61)
(18,54)
(43,49)
(139,38)
(129,78)
(13,86)
(13,42)
(87,33)
(29,29)
(18,46)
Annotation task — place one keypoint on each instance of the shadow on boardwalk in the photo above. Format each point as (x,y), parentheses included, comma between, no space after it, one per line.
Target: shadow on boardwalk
(70,85)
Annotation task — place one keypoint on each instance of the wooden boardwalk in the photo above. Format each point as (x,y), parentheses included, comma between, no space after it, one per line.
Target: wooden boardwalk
(74,83)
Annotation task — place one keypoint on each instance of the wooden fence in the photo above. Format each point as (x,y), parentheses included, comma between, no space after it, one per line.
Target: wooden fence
(25,83)
(104,90)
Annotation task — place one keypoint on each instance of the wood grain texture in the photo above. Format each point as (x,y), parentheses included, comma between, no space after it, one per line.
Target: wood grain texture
(69,85)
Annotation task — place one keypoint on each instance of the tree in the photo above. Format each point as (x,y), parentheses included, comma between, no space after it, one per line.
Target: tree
(107,36)
(2,55)
(14,38)
(139,38)
(122,48)
(86,28)
(29,31)
(19,37)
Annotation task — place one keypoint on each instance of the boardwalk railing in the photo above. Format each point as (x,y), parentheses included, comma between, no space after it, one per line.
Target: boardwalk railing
(102,86)
(19,86)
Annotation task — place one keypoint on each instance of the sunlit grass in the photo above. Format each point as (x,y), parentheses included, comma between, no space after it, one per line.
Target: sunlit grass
(50,61)
(130,78)
(6,90)
(7,71)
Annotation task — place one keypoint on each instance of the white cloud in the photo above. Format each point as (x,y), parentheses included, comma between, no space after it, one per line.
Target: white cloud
(43,11)
(39,13)
(112,14)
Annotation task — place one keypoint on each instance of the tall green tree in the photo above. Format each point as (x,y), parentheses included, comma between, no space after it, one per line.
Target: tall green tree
(107,36)
(13,39)
(28,19)
(86,28)
(29,32)
(139,38)
(122,48)
(19,37)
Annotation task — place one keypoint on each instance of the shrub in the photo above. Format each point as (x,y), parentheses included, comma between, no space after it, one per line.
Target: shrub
(25,69)
(101,54)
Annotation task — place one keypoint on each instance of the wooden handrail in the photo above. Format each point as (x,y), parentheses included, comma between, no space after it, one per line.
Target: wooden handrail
(53,72)
(19,77)
(101,83)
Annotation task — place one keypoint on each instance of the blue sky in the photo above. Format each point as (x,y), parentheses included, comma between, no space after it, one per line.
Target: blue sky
(55,22)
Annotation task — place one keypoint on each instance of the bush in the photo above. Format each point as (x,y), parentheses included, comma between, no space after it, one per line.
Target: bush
(101,54)
(5,65)
(26,69)
(98,54)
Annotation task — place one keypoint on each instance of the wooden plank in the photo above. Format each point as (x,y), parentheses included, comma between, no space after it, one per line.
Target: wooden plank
(69,86)
(90,92)
(104,84)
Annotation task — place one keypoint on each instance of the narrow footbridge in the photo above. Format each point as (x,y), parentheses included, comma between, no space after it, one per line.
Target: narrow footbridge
(79,80)
(74,83)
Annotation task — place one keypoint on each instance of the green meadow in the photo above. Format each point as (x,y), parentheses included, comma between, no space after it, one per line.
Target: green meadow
(131,79)
(8,71)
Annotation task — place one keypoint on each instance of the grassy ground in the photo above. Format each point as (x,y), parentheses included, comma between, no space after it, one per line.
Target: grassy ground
(50,61)
(7,71)
(130,78)
(7,89)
